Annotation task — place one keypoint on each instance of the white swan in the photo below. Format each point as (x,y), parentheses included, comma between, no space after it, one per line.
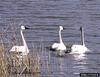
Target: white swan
(23,50)
(80,48)
(59,46)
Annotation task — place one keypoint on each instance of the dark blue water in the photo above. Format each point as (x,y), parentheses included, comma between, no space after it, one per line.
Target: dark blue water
(44,17)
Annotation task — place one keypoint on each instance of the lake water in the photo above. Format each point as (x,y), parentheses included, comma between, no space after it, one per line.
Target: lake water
(44,17)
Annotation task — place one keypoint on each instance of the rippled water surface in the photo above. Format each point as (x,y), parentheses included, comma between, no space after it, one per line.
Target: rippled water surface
(44,17)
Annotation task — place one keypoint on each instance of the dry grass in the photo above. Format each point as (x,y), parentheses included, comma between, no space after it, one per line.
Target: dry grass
(3,63)
(12,66)
(25,66)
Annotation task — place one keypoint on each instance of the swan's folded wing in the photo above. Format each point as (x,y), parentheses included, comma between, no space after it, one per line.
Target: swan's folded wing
(55,45)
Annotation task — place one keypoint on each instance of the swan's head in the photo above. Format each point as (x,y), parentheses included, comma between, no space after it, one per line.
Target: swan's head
(61,27)
(81,28)
(23,27)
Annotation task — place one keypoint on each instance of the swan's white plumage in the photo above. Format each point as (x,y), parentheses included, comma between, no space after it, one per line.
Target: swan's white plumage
(23,50)
(20,49)
(55,45)
(80,48)
(59,47)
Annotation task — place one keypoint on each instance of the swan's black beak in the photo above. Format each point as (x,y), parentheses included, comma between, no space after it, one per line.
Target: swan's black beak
(64,28)
(27,28)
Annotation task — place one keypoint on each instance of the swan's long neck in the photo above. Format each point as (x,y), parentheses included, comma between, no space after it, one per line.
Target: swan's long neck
(23,39)
(82,37)
(60,37)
